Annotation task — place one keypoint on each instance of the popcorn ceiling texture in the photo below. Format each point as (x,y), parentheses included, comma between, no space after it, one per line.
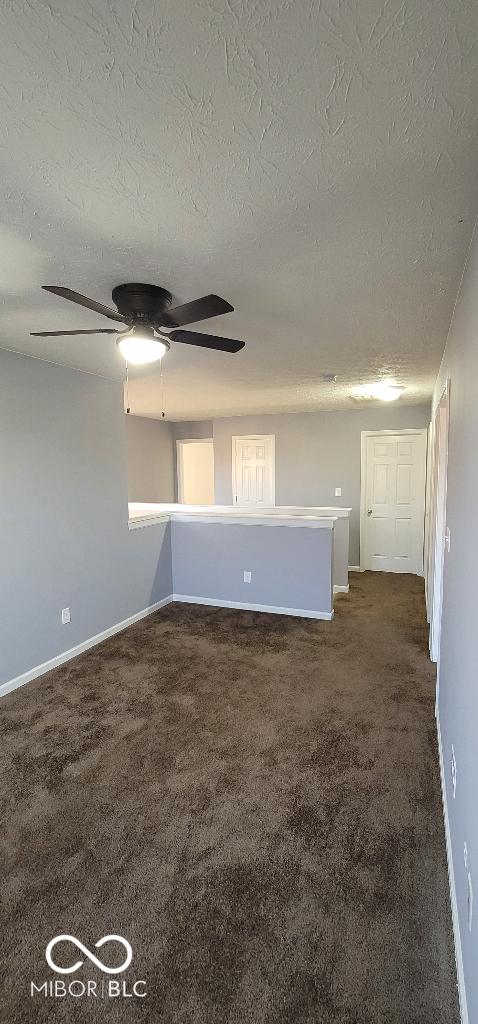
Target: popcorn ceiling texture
(315,163)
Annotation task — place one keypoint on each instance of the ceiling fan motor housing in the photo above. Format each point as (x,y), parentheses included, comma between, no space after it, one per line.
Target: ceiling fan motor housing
(141,302)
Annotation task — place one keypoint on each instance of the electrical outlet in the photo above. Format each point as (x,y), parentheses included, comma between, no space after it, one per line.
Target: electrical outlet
(65,616)
(247,576)
(453,770)
(338,492)
(470,902)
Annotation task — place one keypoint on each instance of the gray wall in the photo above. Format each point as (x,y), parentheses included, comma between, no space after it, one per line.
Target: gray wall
(63,514)
(315,453)
(192,429)
(458,695)
(150,459)
(209,561)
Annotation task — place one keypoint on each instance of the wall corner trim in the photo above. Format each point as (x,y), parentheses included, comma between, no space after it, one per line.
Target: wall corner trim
(355,568)
(451,880)
(73,652)
(341,590)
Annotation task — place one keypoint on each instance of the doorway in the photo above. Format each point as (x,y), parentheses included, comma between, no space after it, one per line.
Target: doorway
(195,464)
(253,470)
(393,500)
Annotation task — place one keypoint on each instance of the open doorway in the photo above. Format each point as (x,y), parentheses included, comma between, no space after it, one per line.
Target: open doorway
(195,463)
(435,543)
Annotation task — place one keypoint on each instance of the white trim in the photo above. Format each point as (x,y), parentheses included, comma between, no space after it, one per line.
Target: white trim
(179,459)
(340,590)
(165,508)
(73,652)
(152,520)
(438,497)
(355,568)
(428,520)
(243,605)
(254,437)
(364,434)
(451,880)
(313,510)
(234,518)
(246,519)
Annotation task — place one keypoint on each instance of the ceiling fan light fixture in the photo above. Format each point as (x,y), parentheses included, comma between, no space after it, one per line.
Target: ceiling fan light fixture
(140,345)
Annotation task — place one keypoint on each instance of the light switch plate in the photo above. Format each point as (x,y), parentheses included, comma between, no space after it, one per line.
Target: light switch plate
(247,576)
(65,616)
(338,492)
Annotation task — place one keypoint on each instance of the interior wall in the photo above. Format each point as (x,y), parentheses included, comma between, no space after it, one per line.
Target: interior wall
(315,453)
(458,660)
(150,459)
(192,429)
(64,515)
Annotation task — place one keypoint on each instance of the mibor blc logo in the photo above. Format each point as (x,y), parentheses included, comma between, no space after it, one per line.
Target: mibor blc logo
(78,988)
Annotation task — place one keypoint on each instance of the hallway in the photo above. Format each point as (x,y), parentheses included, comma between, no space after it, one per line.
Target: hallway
(253,801)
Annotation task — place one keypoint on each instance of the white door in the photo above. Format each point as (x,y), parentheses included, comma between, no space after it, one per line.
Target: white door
(195,472)
(393,501)
(253,470)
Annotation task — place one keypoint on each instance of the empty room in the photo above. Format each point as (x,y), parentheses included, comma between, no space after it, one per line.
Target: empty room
(238,429)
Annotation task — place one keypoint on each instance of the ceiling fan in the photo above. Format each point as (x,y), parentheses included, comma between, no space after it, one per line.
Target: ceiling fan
(145,311)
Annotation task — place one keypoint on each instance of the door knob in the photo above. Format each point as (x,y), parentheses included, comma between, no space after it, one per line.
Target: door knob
(369,511)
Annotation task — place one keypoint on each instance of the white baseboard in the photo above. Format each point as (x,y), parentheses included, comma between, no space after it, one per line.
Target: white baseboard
(73,652)
(451,880)
(355,568)
(341,590)
(245,606)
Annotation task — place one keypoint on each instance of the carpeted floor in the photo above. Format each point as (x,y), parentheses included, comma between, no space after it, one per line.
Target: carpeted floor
(252,801)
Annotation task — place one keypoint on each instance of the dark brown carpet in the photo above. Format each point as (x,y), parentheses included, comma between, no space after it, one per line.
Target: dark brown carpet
(252,801)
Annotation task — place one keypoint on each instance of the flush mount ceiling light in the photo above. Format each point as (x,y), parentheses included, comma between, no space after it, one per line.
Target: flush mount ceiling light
(140,345)
(382,391)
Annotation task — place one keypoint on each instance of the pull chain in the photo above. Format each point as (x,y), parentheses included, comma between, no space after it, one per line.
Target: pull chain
(162,390)
(128,407)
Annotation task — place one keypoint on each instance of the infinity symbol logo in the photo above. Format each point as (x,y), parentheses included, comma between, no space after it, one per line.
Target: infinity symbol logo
(91,956)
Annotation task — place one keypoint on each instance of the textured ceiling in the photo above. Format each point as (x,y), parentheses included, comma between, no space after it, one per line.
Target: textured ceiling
(312,162)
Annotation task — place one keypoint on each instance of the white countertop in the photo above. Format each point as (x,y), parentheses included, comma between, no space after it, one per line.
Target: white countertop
(144,514)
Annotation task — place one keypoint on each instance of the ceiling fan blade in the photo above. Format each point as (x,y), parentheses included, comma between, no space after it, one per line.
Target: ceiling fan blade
(58,334)
(83,300)
(199,309)
(207,341)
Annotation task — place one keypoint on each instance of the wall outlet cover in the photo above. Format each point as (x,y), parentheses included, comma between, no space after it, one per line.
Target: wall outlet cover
(247,576)
(65,616)
(338,492)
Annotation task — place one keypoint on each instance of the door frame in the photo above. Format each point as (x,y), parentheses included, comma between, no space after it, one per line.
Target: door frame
(180,462)
(253,437)
(435,565)
(364,435)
